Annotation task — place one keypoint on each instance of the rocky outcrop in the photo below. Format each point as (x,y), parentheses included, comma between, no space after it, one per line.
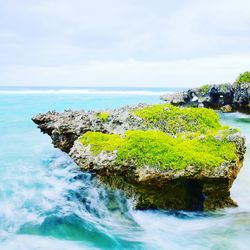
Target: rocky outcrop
(193,187)
(227,97)
(64,128)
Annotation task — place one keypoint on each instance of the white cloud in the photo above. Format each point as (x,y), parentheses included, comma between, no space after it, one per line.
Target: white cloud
(192,72)
(111,42)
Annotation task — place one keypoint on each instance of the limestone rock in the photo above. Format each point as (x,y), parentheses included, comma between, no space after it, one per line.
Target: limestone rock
(191,188)
(226,109)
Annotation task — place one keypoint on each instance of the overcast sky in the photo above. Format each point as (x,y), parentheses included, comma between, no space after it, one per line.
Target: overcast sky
(123,42)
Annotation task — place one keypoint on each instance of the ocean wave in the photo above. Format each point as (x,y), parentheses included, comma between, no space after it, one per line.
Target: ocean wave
(82,91)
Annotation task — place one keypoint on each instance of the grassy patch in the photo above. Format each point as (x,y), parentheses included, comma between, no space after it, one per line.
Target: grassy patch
(199,139)
(103,116)
(224,87)
(243,78)
(100,141)
(157,149)
(174,120)
(204,89)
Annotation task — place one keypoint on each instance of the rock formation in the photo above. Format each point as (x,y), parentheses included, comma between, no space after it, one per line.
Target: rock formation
(227,97)
(161,156)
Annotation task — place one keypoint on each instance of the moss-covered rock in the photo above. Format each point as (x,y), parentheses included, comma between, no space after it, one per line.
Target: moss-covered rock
(243,78)
(173,120)
(103,116)
(99,141)
(160,150)
(161,156)
(204,89)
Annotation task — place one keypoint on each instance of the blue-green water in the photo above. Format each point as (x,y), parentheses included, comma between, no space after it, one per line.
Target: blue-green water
(47,203)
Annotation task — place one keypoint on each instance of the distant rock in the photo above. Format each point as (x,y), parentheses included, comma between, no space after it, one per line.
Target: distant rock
(227,97)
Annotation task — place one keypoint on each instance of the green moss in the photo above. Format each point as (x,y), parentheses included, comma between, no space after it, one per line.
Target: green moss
(199,139)
(174,120)
(204,89)
(103,116)
(157,149)
(223,87)
(100,141)
(243,78)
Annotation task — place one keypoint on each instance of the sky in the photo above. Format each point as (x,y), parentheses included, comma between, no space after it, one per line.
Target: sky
(153,43)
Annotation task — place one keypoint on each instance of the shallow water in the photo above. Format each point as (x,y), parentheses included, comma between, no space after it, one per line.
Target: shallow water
(47,203)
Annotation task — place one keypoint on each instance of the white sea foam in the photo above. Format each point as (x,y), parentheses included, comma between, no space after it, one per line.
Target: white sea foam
(82,92)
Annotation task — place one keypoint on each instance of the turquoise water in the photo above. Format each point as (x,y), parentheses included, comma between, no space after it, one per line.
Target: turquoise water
(47,203)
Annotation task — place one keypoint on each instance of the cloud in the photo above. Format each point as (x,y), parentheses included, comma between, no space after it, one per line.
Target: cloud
(179,73)
(140,42)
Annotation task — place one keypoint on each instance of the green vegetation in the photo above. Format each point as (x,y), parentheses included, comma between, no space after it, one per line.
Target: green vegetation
(243,78)
(174,120)
(184,136)
(103,116)
(224,87)
(157,149)
(100,141)
(204,89)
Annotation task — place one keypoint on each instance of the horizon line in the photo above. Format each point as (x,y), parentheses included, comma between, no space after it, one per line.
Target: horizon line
(89,86)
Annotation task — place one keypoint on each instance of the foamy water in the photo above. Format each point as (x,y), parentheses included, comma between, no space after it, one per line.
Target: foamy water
(82,91)
(47,203)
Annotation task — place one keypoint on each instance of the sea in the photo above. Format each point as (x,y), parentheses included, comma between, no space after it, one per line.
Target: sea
(47,203)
